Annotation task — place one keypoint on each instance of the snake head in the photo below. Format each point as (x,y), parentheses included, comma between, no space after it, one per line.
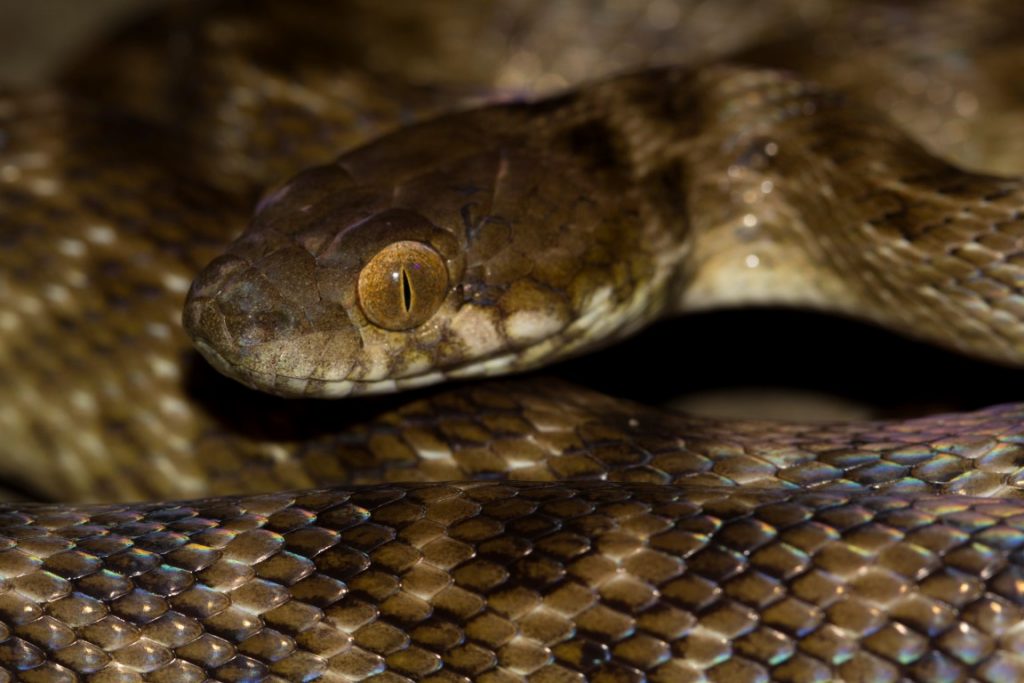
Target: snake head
(441,251)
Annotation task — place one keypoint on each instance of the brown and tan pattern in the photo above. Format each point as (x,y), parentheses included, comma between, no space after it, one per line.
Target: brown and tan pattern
(510,530)
(501,582)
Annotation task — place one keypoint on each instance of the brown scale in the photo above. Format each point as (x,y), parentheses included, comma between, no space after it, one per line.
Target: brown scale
(497,581)
(647,546)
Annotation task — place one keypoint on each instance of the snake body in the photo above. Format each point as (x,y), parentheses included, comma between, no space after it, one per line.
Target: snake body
(512,530)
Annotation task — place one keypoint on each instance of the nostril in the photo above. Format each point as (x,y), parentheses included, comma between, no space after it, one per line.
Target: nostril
(259,327)
(202,317)
(241,309)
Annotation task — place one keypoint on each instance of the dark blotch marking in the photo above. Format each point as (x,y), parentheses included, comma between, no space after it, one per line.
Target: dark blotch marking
(668,185)
(595,141)
(679,105)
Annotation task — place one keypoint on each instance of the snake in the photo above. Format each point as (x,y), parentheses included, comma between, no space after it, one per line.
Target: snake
(511,529)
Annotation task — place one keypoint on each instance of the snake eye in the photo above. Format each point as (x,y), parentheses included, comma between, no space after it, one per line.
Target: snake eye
(402,285)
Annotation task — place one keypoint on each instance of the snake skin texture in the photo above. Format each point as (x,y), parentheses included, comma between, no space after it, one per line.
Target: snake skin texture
(513,530)
(778,553)
(497,582)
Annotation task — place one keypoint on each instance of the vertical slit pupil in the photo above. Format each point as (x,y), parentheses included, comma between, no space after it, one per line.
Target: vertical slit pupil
(406,291)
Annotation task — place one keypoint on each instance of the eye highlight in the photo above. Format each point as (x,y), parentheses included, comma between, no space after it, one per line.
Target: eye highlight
(402,285)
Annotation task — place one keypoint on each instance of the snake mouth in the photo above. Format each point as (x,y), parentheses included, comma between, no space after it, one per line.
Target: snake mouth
(275,383)
(288,386)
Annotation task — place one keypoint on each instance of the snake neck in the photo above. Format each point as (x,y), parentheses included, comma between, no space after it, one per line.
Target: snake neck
(790,195)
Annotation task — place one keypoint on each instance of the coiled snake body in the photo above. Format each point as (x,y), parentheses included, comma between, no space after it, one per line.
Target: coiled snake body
(583,537)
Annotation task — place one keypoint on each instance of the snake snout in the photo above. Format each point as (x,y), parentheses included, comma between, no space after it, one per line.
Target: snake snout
(272,338)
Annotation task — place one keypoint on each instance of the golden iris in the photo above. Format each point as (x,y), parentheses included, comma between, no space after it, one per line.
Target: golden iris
(402,285)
